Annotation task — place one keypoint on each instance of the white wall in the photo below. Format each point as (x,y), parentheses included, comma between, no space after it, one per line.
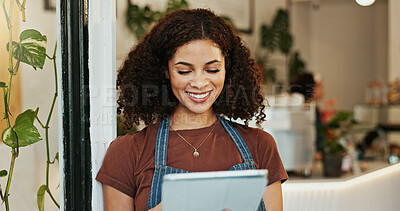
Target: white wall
(345,43)
(102,82)
(394,40)
(394,58)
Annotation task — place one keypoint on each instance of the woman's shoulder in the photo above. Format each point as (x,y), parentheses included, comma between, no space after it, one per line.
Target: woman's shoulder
(136,139)
(254,134)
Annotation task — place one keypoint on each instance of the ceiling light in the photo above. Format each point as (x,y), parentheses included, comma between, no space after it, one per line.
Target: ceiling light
(365,2)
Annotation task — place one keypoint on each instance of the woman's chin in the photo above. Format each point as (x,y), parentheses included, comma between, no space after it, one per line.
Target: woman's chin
(204,110)
(198,108)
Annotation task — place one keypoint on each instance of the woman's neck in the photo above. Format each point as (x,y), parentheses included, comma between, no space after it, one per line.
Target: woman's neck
(181,120)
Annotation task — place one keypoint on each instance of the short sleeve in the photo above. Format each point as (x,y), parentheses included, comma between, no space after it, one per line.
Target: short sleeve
(269,158)
(117,169)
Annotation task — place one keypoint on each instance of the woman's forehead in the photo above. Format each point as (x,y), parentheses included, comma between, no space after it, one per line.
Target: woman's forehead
(198,50)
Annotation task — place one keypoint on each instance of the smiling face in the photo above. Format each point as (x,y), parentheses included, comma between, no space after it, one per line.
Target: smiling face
(197,75)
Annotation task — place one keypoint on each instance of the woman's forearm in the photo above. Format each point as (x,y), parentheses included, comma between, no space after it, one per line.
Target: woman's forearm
(273,197)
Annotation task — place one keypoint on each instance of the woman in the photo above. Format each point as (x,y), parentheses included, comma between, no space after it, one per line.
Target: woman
(180,79)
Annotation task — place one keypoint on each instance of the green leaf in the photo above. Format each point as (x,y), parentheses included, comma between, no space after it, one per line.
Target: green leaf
(9,137)
(285,42)
(29,114)
(269,39)
(2,84)
(56,158)
(3,173)
(340,116)
(27,133)
(31,48)
(40,197)
(23,130)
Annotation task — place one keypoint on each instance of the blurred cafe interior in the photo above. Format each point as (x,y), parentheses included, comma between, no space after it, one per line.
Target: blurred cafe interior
(331,80)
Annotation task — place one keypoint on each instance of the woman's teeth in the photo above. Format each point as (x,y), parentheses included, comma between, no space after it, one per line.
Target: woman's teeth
(199,96)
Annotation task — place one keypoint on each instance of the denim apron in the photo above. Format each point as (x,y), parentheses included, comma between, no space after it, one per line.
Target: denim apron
(162,169)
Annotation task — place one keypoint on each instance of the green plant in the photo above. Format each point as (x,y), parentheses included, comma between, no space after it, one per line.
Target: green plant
(139,19)
(31,50)
(274,37)
(277,36)
(336,125)
(296,66)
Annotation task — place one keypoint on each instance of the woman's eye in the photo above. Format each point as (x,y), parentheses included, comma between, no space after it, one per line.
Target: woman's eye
(213,71)
(183,72)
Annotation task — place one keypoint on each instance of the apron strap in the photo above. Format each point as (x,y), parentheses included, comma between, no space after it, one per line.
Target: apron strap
(162,143)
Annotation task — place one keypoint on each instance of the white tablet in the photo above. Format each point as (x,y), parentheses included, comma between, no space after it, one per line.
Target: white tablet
(234,190)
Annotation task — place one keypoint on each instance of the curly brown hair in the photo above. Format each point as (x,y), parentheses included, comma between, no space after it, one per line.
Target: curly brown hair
(145,91)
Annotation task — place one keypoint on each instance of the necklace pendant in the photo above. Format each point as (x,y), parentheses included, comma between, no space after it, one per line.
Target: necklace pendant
(196,154)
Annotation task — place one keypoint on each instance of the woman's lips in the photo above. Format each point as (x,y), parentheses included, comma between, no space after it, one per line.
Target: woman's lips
(199,97)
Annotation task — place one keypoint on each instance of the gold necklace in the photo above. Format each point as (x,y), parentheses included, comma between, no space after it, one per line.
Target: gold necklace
(196,152)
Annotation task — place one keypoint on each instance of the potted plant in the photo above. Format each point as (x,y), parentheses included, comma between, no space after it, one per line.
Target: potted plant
(335,128)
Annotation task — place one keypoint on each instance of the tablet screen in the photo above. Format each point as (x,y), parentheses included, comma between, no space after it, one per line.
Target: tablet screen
(234,190)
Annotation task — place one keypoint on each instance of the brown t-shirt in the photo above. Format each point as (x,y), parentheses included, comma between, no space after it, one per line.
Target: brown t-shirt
(129,163)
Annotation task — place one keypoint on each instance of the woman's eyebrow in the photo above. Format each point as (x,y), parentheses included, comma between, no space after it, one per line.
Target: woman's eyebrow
(184,63)
(213,61)
(188,64)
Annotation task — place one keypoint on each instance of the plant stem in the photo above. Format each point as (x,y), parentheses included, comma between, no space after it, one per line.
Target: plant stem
(10,173)
(46,127)
(41,124)
(14,154)
(10,75)
(10,43)
(10,67)
(48,156)
(56,87)
(52,197)
(6,108)
(5,13)
(21,7)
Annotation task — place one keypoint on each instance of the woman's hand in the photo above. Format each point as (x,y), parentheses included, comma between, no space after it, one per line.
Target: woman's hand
(156,208)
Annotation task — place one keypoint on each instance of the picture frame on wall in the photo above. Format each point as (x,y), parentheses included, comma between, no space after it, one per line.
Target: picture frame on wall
(50,5)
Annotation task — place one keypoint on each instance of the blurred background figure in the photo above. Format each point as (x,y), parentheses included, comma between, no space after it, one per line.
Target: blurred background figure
(310,87)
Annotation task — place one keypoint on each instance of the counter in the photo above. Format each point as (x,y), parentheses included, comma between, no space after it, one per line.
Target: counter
(375,189)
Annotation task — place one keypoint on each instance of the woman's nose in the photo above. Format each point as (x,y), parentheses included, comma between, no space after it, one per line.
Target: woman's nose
(199,80)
